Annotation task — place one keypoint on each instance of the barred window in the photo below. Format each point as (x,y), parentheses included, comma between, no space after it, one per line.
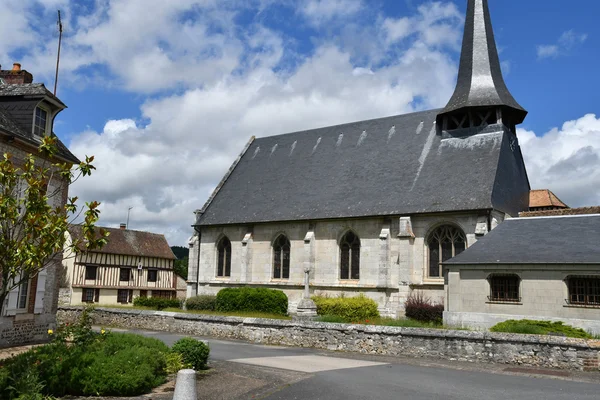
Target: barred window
(584,291)
(224,257)
(88,295)
(505,288)
(281,258)
(123,296)
(91,272)
(444,243)
(350,256)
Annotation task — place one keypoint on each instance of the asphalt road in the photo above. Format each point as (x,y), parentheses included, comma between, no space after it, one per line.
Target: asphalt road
(257,371)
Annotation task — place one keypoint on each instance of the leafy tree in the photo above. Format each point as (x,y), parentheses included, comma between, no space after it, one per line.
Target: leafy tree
(180,251)
(34,219)
(181,267)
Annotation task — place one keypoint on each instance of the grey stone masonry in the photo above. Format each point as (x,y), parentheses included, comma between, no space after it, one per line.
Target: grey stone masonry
(501,348)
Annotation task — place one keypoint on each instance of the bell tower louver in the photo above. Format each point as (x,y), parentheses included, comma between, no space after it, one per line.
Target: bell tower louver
(481,97)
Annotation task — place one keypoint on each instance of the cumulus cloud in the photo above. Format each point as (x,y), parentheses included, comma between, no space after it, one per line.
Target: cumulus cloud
(566,160)
(566,42)
(322,11)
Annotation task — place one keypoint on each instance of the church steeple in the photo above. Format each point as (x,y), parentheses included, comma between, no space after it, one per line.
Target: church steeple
(481,97)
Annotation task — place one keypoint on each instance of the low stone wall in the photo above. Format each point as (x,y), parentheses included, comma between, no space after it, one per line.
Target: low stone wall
(501,348)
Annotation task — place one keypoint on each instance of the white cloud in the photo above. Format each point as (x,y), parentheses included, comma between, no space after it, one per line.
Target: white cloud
(319,12)
(566,160)
(436,24)
(567,41)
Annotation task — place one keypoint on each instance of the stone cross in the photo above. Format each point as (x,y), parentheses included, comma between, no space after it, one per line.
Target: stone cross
(306,283)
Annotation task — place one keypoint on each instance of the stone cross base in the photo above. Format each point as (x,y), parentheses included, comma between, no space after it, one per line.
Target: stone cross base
(307,309)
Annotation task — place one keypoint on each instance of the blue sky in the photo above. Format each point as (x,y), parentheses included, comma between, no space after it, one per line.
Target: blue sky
(166,94)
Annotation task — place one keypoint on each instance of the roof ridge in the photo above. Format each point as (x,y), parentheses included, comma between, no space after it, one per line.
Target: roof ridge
(436,110)
(552,216)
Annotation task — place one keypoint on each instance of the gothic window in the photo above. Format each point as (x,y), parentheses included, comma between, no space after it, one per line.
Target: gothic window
(584,291)
(505,288)
(224,257)
(281,258)
(444,243)
(350,256)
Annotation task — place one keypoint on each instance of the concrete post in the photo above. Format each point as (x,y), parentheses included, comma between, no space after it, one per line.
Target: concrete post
(185,385)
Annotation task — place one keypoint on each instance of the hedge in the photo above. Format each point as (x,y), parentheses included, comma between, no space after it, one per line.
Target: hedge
(157,303)
(252,299)
(202,302)
(351,309)
(193,352)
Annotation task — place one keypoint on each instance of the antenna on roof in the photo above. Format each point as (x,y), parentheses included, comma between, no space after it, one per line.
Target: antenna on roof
(128,211)
(60,30)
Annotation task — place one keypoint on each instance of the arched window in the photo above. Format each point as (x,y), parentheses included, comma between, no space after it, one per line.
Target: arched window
(224,257)
(350,256)
(444,243)
(281,258)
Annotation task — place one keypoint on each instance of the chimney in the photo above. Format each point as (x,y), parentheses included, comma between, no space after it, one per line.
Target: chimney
(123,226)
(16,75)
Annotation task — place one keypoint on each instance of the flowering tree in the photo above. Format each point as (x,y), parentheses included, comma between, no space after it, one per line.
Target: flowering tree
(34,215)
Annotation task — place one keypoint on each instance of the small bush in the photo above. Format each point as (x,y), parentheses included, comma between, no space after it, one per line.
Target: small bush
(175,363)
(420,308)
(351,309)
(252,299)
(193,352)
(157,303)
(202,302)
(530,327)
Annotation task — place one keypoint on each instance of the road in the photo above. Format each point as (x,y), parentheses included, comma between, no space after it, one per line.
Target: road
(278,373)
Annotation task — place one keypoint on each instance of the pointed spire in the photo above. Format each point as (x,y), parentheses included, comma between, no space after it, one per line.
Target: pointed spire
(480,83)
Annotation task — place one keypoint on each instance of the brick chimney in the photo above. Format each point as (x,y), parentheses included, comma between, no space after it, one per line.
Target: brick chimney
(123,226)
(16,75)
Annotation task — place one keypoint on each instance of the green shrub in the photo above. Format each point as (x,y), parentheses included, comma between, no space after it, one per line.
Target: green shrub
(351,309)
(203,302)
(157,303)
(420,308)
(193,352)
(526,326)
(110,364)
(175,363)
(252,299)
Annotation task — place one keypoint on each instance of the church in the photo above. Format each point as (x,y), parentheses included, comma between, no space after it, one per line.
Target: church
(371,207)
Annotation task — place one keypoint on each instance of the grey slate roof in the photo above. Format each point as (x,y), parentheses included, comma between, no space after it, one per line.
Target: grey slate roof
(541,240)
(14,111)
(480,82)
(27,89)
(390,166)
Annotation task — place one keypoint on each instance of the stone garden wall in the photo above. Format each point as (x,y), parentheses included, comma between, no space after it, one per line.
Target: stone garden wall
(501,348)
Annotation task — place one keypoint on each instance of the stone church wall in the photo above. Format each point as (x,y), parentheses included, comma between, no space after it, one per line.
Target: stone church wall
(391,266)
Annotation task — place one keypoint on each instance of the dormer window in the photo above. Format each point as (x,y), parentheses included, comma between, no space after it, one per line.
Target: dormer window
(40,122)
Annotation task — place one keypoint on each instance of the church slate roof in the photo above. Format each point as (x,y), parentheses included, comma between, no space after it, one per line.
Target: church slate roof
(541,240)
(397,165)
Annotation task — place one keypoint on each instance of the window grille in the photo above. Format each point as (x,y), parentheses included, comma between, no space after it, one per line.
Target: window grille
(504,288)
(88,295)
(584,291)
(444,243)
(350,257)
(123,296)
